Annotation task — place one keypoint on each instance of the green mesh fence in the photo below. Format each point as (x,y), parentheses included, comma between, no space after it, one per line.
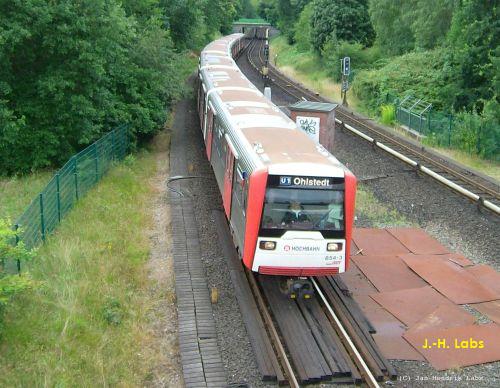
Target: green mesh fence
(450,131)
(69,184)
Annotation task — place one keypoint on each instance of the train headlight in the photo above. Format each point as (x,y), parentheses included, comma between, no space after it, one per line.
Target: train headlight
(335,247)
(267,245)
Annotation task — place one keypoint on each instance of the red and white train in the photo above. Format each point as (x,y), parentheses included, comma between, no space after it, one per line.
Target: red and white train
(289,202)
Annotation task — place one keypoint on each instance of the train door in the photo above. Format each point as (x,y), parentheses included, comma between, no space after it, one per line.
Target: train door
(210,129)
(201,103)
(239,204)
(228,177)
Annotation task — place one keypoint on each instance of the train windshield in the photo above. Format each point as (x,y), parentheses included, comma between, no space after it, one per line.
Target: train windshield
(303,209)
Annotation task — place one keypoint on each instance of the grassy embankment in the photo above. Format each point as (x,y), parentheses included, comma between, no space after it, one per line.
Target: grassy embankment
(85,324)
(308,69)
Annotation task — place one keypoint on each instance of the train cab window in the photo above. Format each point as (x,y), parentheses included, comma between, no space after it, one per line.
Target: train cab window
(303,209)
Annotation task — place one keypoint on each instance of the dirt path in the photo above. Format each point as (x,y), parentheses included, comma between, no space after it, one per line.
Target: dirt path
(165,369)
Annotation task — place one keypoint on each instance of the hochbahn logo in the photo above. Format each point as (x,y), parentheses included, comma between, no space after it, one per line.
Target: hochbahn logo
(288,248)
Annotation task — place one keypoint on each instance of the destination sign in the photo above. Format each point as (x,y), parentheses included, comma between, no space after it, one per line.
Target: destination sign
(290,181)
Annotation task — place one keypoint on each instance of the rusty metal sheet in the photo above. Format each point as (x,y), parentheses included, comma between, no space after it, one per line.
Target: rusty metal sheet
(487,276)
(418,241)
(356,282)
(388,273)
(449,279)
(377,242)
(411,305)
(447,346)
(490,309)
(395,347)
(389,331)
(445,316)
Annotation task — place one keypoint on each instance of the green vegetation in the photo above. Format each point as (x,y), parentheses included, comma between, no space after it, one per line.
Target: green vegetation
(443,52)
(71,70)
(86,321)
(11,285)
(345,20)
(388,114)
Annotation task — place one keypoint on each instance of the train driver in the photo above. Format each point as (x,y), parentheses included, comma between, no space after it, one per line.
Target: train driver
(295,213)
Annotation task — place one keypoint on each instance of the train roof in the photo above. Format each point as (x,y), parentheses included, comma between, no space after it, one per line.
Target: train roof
(270,135)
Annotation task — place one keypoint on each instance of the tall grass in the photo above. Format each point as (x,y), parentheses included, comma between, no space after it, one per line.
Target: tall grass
(387,114)
(86,323)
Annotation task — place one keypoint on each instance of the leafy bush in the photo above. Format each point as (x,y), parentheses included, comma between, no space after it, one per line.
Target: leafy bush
(478,134)
(419,73)
(11,285)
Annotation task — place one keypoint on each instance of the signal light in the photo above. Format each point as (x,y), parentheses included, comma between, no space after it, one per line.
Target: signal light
(335,247)
(267,245)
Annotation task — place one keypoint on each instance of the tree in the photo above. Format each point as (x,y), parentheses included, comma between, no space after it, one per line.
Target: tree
(268,10)
(246,9)
(393,29)
(302,30)
(344,20)
(73,70)
(473,38)
(186,22)
(430,22)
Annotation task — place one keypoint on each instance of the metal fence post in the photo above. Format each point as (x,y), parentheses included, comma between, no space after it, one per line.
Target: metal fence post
(58,198)
(478,141)
(75,173)
(113,144)
(449,130)
(42,218)
(18,262)
(96,158)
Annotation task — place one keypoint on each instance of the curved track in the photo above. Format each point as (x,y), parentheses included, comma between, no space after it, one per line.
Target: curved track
(479,189)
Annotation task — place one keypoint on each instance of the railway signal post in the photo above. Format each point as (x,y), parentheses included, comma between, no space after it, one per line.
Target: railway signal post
(346,70)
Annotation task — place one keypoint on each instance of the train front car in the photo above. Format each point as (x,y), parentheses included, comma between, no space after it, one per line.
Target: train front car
(306,224)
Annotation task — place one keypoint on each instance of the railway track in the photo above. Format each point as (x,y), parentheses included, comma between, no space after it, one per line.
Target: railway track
(482,191)
(322,339)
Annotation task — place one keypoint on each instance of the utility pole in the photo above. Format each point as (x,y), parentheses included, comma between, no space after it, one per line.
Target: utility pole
(345,68)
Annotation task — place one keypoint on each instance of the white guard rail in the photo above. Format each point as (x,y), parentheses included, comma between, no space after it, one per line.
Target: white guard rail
(488,204)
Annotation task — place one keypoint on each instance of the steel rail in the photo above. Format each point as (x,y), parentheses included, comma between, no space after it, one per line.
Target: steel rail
(281,353)
(426,170)
(360,363)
